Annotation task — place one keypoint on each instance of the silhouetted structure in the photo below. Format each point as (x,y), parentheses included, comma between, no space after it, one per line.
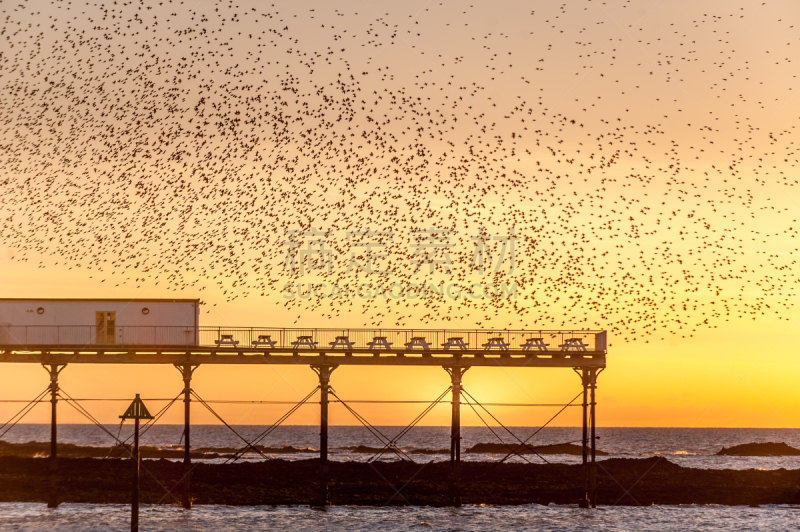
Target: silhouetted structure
(324,350)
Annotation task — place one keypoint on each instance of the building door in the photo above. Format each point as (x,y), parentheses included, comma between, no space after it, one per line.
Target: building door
(105,327)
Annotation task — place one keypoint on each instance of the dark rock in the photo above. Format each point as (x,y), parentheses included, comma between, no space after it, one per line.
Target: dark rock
(620,481)
(372,450)
(502,448)
(42,449)
(760,449)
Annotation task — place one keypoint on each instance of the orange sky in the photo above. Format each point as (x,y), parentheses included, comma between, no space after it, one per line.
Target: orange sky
(738,375)
(693,101)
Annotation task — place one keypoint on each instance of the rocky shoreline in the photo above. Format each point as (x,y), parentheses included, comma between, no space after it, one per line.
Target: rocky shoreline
(280,482)
(36,449)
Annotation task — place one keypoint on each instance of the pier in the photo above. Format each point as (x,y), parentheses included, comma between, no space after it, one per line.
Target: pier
(323,350)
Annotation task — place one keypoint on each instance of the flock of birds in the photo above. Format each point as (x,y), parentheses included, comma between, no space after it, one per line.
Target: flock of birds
(188,144)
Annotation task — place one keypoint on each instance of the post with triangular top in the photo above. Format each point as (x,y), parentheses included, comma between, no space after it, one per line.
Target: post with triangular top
(136,411)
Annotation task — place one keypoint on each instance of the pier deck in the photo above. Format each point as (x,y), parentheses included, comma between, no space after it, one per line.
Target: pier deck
(341,347)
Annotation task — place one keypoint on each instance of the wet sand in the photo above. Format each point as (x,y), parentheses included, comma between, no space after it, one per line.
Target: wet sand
(280,482)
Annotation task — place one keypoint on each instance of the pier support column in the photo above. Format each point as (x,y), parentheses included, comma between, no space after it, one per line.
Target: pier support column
(456,373)
(54,370)
(592,378)
(187,371)
(324,373)
(584,500)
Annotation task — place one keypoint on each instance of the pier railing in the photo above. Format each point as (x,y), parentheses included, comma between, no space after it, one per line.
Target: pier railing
(298,339)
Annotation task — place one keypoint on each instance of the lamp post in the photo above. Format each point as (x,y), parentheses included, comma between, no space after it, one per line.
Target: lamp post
(136,411)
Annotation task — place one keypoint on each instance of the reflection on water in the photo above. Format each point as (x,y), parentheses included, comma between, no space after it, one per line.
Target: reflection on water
(97,517)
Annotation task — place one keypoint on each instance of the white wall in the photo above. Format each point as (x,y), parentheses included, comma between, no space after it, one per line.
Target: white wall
(166,323)
(83,312)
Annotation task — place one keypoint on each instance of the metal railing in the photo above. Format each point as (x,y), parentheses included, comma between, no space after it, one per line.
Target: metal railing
(286,339)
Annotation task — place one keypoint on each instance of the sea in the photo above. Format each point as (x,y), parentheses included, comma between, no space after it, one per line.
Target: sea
(688,447)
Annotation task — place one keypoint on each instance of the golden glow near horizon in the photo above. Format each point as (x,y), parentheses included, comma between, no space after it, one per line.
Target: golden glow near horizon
(644,153)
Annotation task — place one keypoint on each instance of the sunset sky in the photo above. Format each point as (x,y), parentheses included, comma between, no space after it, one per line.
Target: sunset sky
(644,152)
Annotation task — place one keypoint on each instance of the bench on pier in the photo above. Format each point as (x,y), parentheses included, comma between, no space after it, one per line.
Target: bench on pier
(418,341)
(341,341)
(305,341)
(456,341)
(227,340)
(264,341)
(379,342)
(534,344)
(573,344)
(498,342)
